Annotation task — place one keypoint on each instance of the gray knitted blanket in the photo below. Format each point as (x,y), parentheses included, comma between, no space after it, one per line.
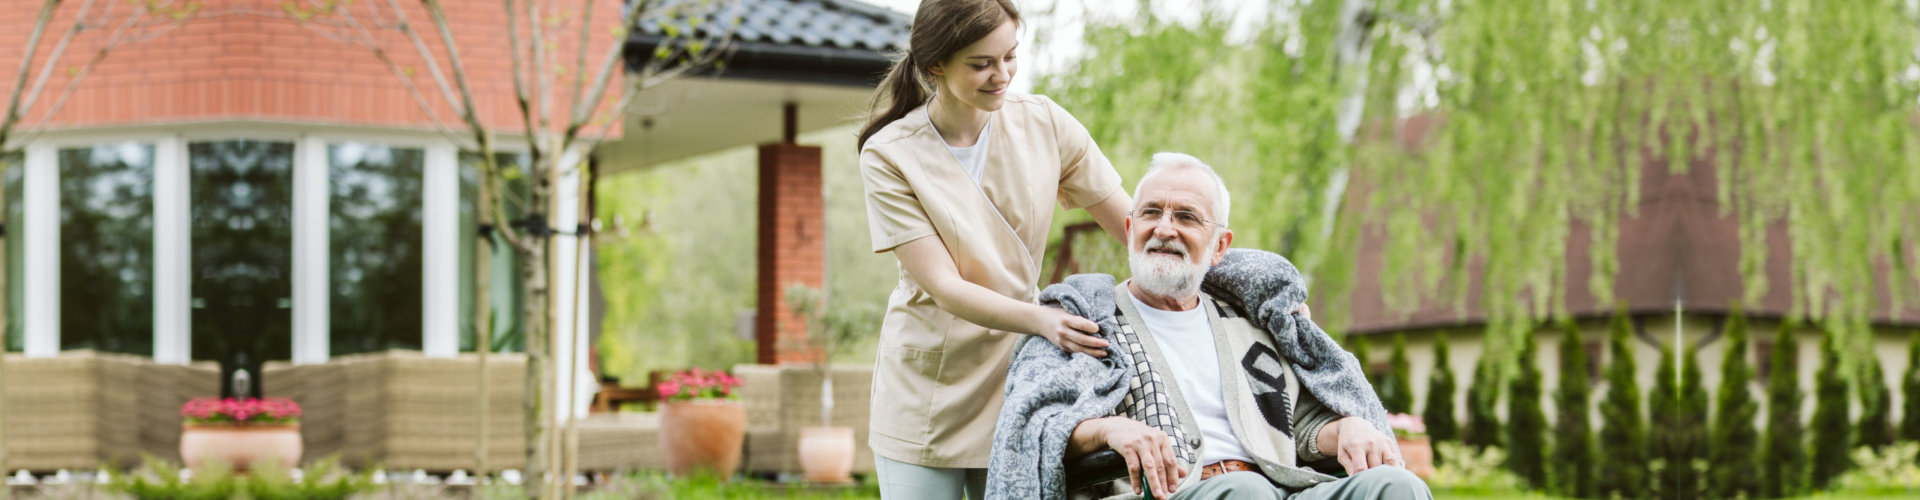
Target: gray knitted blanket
(1049,392)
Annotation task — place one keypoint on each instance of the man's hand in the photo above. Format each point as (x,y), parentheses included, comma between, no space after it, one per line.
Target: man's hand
(1149,454)
(1070,333)
(1358,445)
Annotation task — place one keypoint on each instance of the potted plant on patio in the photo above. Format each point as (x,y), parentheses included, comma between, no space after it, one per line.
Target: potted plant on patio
(827,452)
(701,426)
(240,432)
(1415,447)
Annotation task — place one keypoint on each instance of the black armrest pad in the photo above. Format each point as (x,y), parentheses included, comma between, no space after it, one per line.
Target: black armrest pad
(1095,468)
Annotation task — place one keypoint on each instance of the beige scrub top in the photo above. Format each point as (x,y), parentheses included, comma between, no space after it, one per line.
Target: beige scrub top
(938,379)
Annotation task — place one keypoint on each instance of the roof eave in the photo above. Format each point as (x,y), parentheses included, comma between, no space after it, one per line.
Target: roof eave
(781,63)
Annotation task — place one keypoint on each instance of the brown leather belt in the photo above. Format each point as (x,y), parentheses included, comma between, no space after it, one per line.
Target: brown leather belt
(1225,466)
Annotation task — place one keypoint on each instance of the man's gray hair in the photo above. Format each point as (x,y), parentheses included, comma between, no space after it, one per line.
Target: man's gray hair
(1222,204)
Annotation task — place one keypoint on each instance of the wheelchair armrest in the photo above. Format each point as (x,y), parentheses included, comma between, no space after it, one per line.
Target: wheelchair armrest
(1095,468)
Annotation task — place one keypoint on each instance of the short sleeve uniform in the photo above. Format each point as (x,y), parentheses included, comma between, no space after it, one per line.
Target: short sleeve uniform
(938,379)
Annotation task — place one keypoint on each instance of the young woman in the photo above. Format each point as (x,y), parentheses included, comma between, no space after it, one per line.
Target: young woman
(961,182)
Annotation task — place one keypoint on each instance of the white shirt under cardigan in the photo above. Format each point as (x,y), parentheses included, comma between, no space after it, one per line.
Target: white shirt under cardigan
(1187,341)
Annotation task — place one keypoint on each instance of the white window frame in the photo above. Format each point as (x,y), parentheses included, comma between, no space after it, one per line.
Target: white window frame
(172,213)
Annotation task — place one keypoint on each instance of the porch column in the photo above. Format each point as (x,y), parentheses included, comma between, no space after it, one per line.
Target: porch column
(310,265)
(440,276)
(172,253)
(41,203)
(792,244)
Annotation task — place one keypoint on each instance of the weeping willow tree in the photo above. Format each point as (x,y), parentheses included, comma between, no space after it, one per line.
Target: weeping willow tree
(1549,113)
(1493,132)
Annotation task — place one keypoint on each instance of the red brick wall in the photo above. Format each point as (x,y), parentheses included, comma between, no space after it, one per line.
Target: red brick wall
(247,59)
(792,247)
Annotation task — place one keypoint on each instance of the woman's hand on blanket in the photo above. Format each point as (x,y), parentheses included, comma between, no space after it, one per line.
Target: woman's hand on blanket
(1359,446)
(1149,454)
(1305,312)
(1070,333)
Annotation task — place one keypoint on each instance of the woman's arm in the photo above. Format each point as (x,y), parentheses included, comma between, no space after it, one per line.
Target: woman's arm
(928,261)
(1111,214)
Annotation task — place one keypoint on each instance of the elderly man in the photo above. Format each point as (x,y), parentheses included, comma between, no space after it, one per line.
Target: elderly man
(1236,421)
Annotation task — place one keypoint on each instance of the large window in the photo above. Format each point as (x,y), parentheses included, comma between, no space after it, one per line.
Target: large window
(375,236)
(242,257)
(106,248)
(504,282)
(12,173)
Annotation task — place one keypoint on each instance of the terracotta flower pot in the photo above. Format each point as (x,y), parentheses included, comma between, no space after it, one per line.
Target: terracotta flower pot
(826,454)
(697,435)
(1418,453)
(240,445)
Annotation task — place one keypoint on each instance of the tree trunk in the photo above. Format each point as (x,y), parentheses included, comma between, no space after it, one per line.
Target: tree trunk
(483,321)
(536,313)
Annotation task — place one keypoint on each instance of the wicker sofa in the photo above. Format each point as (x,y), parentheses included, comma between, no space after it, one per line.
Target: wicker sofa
(83,409)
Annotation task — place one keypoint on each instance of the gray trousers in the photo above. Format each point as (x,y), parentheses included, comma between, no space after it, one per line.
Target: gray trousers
(1378,483)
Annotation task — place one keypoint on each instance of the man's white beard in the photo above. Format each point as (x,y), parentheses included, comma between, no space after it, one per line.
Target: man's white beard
(1166,275)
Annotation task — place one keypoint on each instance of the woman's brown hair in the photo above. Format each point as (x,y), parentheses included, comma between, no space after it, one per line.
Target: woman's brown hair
(940,28)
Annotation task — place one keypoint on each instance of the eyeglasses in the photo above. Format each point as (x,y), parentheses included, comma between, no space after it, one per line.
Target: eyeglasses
(1181,218)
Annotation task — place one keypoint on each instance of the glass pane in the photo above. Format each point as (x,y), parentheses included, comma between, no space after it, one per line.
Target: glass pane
(106,248)
(12,172)
(375,235)
(242,203)
(504,280)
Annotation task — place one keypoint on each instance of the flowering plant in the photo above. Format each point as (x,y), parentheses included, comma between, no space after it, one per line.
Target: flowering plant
(247,411)
(695,384)
(1407,426)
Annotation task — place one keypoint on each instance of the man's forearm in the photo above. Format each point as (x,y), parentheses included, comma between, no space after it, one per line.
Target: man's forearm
(1088,437)
(1328,439)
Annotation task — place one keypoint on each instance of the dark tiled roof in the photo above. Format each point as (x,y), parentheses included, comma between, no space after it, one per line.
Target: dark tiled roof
(833,24)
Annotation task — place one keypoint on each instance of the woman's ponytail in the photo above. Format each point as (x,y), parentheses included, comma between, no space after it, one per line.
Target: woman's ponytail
(899,93)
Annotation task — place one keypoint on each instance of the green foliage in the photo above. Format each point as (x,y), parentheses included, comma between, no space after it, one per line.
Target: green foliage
(1573,453)
(1261,114)
(1678,418)
(322,480)
(1875,427)
(1831,416)
(1623,431)
(675,280)
(1910,389)
(1735,471)
(1472,472)
(1359,348)
(1483,419)
(1692,423)
(1526,421)
(1887,472)
(1442,426)
(651,485)
(1396,389)
(1784,466)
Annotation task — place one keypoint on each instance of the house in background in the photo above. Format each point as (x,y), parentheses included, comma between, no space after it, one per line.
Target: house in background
(1677,281)
(242,191)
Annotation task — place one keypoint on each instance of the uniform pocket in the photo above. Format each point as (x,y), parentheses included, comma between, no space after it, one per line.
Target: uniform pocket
(903,392)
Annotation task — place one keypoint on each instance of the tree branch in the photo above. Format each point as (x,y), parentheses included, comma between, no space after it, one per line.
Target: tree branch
(519,77)
(542,87)
(580,54)
(26,64)
(432,63)
(59,49)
